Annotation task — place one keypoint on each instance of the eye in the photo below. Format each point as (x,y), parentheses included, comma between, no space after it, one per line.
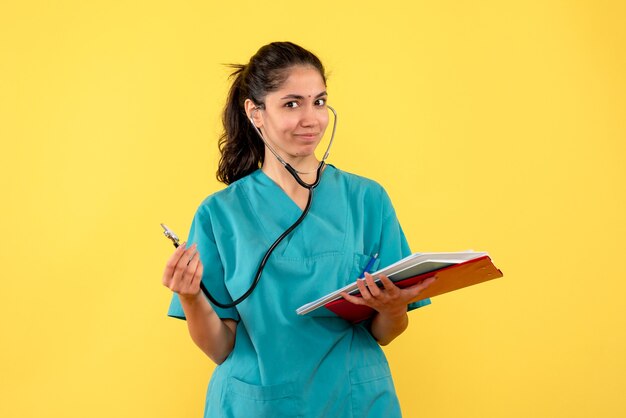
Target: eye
(320,102)
(292,104)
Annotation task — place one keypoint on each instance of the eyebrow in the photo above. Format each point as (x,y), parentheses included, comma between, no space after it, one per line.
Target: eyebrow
(299,97)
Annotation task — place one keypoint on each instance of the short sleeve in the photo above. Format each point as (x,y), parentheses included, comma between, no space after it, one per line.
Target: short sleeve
(393,243)
(201,233)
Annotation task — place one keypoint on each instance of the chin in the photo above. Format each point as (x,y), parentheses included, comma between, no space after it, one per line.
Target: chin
(306,151)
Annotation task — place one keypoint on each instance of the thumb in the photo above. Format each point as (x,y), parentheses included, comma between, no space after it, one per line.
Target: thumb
(416,289)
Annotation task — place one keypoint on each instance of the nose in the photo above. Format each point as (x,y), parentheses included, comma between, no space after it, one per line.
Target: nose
(314,117)
(309,116)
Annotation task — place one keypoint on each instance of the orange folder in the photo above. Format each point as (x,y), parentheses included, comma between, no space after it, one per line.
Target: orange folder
(454,277)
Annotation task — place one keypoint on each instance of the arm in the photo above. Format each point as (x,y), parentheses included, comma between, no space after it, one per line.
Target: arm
(213,335)
(387,326)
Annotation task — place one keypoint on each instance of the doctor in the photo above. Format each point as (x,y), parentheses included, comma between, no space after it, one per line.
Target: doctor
(272,362)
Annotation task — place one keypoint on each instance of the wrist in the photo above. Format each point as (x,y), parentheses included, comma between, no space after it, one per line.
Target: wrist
(189,299)
(395,314)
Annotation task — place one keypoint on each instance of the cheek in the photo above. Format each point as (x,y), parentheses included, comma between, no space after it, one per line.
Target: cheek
(289,123)
(324,118)
(281,125)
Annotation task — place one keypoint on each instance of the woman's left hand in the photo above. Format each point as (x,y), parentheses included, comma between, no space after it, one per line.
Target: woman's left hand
(391,299)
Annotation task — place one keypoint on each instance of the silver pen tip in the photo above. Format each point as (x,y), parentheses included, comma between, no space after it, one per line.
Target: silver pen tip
(170,234)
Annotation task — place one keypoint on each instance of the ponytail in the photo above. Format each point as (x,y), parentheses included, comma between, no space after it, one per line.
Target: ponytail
(241,149)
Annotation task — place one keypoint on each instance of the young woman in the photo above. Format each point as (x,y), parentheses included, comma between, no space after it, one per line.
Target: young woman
(272,362)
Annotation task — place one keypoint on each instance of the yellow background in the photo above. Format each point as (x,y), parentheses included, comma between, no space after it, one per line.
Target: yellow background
(494,125)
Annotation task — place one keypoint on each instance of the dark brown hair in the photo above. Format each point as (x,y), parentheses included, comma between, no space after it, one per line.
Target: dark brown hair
(241,149)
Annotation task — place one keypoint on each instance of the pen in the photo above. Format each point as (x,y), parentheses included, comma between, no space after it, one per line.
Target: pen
(369,266)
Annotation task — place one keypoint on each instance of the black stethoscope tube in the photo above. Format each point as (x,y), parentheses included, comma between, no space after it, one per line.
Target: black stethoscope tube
(309,186)
(271,249)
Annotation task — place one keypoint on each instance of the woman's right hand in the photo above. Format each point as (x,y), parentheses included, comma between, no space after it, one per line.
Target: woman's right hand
(183,272)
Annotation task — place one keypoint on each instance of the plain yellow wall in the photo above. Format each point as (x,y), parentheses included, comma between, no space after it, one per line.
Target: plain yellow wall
(494,125)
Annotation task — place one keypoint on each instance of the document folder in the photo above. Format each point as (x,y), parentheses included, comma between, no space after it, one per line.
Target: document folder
(453,271)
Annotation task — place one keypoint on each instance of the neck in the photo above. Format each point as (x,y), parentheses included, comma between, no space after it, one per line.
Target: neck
(283,178)
(277,172)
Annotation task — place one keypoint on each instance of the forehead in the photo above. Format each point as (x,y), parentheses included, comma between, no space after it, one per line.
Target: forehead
(302,80)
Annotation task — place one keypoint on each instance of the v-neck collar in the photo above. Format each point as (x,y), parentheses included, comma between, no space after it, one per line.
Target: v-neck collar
(274,211)
(266,180)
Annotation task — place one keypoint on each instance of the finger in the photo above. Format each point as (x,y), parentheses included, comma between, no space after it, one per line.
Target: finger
(192,266)
(426,283)
(373,287)
(181,266)
(199,273)
(194,282)
(416,289)
(365,293)
(192,256)
(171,264)
(389,285)
(352,299)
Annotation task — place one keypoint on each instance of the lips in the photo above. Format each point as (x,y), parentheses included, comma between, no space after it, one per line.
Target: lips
(307,135)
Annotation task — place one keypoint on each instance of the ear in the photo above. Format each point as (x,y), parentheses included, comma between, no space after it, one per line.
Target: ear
(250,108)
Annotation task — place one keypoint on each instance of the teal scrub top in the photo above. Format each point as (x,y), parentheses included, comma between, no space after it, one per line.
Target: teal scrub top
(283,364)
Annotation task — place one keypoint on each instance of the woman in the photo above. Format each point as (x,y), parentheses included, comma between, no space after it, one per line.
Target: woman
(272,362)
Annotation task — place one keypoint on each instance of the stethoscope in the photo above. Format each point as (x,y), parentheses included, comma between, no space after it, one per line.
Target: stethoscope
(296,176)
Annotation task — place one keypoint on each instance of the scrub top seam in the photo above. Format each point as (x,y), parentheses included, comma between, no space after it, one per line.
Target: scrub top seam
(345,222)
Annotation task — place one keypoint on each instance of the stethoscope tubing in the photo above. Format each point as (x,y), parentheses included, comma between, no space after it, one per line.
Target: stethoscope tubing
(270,250)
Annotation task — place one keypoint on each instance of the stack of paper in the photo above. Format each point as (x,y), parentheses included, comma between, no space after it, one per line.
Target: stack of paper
(454,270)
